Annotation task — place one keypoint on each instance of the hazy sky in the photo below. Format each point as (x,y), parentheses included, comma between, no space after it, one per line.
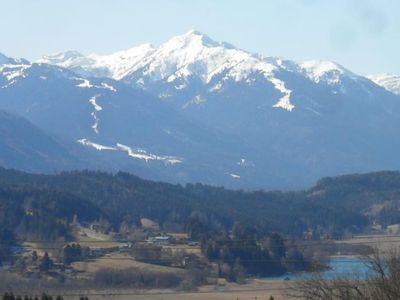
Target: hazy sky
(363,35)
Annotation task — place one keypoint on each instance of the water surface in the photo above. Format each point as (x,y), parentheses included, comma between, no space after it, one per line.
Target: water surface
(348,267)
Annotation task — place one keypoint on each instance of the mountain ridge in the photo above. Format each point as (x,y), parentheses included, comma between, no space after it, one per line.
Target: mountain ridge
(194,46)
(193,109)
(193,59)
(388,81)
(25,146)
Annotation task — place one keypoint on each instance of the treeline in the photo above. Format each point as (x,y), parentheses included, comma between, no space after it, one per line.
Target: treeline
(7,240)
(244,252)
(42,206)
(361,192)
(137,278)
(124,197)
(44,296)
(38,214)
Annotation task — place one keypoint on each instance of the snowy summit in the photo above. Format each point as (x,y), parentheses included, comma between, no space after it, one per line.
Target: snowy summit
(195,56)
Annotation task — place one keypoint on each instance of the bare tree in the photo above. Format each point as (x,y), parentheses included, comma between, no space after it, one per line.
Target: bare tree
(382,282)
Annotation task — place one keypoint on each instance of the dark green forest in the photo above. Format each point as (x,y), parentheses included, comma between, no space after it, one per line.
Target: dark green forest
(41,206)
(234,227)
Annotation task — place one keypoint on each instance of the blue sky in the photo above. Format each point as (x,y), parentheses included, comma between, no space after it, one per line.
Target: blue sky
(363,35)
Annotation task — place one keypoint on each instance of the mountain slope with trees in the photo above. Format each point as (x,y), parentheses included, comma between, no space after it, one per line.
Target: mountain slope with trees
(333,206)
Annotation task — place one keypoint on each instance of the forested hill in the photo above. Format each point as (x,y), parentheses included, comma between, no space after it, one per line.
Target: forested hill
(333,206)
(40,214)
(370,182)
(376,195)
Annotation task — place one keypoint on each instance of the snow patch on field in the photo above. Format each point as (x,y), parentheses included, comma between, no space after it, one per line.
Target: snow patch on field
(132,152)
(245,163)
(12,73)
(97,108)
(144,155)
(108,87)
(234,176)
(98,147)
(283,102)
(85,84)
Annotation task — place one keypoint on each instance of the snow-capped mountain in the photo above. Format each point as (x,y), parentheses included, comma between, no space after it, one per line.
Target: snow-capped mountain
(387,81)
(115,66)
(8,60)
(193,59)
(193,109)
(126,129)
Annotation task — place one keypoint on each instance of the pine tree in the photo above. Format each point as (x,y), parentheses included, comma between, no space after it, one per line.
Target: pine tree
(34,257)
(46,263)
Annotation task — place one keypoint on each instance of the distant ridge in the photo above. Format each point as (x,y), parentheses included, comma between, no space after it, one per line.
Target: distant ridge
(197,110)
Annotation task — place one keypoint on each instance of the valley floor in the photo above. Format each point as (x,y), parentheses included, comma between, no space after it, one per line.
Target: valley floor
(256,289)
(382,242)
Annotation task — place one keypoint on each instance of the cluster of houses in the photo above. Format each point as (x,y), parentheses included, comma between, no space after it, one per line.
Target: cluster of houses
(159,240)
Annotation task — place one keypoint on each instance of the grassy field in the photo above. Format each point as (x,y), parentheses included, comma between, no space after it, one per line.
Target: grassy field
(184,248)
(382,242)
(119,261)
(256,289)
(90,238)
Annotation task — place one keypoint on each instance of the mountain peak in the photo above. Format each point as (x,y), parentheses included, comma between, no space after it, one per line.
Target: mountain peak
(195,54)
(61,58)
(325,71)
(126,54)
(388,81)
(195,38)
(194,32)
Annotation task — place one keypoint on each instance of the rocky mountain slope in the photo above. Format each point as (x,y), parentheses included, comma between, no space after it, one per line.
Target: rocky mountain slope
(193,109)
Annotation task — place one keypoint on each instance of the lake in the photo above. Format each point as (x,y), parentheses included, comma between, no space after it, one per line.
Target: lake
(349,267)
